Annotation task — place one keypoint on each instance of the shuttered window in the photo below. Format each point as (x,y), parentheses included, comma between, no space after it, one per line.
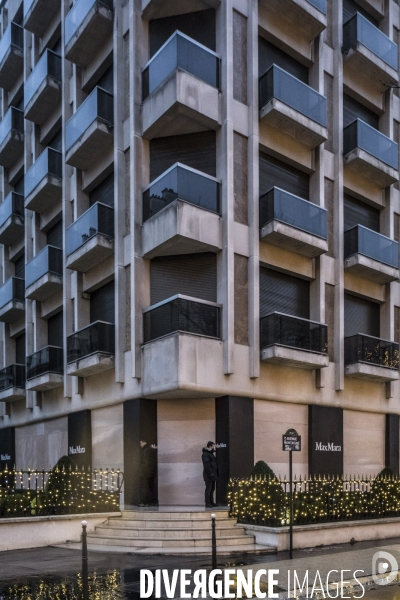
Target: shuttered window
(102,304)
(283,293)
(274,172)
(355,110)
(199,26)
(359,213)
(56,141)
(350,7)
(188,274)
(106,81)
(55,330)
(19,186)
(104,192)
(20,267)
(54,235)
(20,349)
(268,54)
(196,150)
(361,316)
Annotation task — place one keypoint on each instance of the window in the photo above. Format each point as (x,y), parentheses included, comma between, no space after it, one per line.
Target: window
(274,172)
(199,26)
(268,54)
(196,150)
(350,8)
(104,192)
(102,304)
(55,330)
(361,316)
(283,293)
(359,213)
(353,110)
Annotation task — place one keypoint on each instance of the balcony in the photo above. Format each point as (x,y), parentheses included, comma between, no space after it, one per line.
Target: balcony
(288,104)
(180,89)
(44,274)
(307,16)
(182,314)
(292,223)
(91,350)
(38,15)
(43,181)
(12,383)
(11,137)
(12,300)
(370,53)
(156,9)
(367,357)
(181,213)
(371,255)
(88,26)
(42,91)
(293,342)
(89,134)
(11,56)
(370,153)
(44,369)
(90,240)
(12,217)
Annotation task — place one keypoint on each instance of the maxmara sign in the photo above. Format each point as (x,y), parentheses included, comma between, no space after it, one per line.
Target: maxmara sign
(327,447)
(5,457)
(77,450)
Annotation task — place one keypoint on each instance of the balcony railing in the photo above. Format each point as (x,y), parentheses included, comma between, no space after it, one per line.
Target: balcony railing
(279,84)
(48,260)
(99,105)
(13,120)
(361,135)
(293,332)
(27,6)
(13,205)
(279,205)
(77,14)
(360,240)
(359,30)
(13,36)
(181,52)
(181,313)
(99,219)
(319,4)
(97,337)
(13,289)
(47,360)
(184,183)
(367,349)
(48,163)
(48,66)
(12,376)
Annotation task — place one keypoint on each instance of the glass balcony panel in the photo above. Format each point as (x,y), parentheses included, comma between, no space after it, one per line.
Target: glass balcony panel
(359,29)
(183,183)
(371,350)
(48,260)
(277,204)
(99,219)
(98,105)
(27,6)
(361,135)
(12,376)
(97,337)
(13,120)
(13,205)
(13,36)
(181,314)
(48,163)
(293,332)
(77,14)
(279,84)
(13,289)
(364,241)
(319,4)
(48,65)
(47,360)
(184,53)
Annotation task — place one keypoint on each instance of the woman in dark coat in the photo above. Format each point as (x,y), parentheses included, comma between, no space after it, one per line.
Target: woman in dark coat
(210,473)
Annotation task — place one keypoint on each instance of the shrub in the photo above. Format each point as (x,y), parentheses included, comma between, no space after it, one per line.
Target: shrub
(261,469)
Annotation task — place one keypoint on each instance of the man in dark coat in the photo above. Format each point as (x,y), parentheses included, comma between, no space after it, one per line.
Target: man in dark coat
(148,474)
(210,473)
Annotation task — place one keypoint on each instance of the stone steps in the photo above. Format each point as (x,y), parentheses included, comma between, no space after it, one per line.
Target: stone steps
(157,514)
(221,532)
(197,524)
(245,540)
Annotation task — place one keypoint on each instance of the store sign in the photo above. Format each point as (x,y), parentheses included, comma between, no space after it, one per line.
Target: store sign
(7,448)
(291,441)
(80,438)
(76,450)
(220,445)
(320,447)
(5,457)
(325,440)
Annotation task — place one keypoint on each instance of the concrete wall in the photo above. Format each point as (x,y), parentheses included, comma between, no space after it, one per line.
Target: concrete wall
(364,443)
(41,445)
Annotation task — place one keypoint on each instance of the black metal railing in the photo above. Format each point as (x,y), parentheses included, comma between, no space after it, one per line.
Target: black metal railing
(180,313)
(294,332)
(96,337)
(359,30)
(361,240)
(48,260)
(361,135)
(13,204)
(46,360)
(368,349)
(13,289)
(99,219)
(12,376)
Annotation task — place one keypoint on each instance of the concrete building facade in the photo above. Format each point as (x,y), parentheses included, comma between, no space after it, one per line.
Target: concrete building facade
(199,224)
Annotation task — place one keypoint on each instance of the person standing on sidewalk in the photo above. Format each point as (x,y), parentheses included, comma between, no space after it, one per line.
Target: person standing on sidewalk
(210,473)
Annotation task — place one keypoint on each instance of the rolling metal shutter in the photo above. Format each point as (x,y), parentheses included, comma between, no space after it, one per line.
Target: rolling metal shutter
(274,172)
(283,293)
(20,350)
(54,235)
(355,110)
(199,26)
(102,304)
(359,213)
(56,141)
(361,316)
(196,150)
(55,330)
(20,267)
(268,54)
(104,192)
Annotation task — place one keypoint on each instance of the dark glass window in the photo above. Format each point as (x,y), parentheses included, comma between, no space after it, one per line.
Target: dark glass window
(268,54)
(106,81)
(359,213)
(283,293)
(19,186)
(274,172)
(199,26)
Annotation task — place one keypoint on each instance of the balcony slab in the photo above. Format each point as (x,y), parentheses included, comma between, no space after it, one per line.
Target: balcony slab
(12,394)
(45,195)
(287,120)
(296,13)
(11,149)
(94,144)
(371,269)
(293,239)
(361,61)
(152,9)
(10,67)
(293,357)
(94,251)
(47,381)
(43,102)
(44,287)
(181,228)
(181,104)
(40,16)
(90,36)
(371,372)
(11,230)
(373,169)
(91,365)
(12,311)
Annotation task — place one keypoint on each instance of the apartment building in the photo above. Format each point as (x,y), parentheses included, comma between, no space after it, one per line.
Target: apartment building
(199,226)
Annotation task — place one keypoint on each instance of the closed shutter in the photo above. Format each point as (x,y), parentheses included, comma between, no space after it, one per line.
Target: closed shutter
(268,54)
(102,304)
(56,141)
(188,274)
(19,186)
(196,150)
(361,316)
(54,235)
(283,293)
(106,81)
(20,349)
(274,172)
(355,110)
(20,267)
(350,8)
(55,330)
(359,213)
(104,192)
(199,26)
